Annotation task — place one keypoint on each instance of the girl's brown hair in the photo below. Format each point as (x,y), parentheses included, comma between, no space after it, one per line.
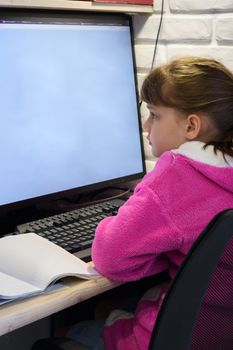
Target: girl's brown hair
(195,84)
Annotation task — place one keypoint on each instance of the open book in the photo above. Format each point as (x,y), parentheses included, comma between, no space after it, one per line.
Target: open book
(30,264)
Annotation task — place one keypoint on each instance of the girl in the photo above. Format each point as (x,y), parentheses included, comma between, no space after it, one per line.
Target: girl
(190,127)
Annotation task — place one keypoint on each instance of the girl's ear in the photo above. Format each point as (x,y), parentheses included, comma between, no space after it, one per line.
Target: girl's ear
(193,126)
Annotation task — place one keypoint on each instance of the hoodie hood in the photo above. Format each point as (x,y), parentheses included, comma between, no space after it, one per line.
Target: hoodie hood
(210,164)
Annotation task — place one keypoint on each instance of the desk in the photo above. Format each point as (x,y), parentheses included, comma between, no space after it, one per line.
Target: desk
(20,313)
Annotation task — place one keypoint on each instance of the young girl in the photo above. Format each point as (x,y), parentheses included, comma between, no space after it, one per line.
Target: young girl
(190,127)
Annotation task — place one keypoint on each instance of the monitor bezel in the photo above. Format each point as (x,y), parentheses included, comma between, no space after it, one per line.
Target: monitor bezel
(71,17)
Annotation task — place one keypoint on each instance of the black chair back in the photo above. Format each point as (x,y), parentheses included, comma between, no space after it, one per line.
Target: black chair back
(197,312)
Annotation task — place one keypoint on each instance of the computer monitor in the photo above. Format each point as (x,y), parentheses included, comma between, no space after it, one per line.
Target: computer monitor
(69,111)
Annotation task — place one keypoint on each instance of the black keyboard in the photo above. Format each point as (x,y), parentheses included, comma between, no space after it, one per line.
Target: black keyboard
(73,230)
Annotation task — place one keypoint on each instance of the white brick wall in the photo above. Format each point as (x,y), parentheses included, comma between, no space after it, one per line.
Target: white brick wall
(224,30)
(200,6)
(190,27)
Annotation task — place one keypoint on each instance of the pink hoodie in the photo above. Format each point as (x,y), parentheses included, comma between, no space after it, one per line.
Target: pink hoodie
(156,227)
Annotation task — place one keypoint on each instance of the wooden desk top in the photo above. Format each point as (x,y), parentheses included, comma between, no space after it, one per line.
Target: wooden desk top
(20,313)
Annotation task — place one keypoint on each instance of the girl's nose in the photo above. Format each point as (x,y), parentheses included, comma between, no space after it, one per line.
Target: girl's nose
(146,125)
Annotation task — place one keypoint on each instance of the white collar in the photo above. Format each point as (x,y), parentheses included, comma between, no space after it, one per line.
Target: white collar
(195,151)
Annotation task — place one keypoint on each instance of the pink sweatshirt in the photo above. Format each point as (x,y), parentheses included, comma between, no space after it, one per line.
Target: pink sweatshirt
(156,227)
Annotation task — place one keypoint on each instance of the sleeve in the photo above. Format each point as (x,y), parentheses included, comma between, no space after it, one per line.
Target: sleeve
(133,244)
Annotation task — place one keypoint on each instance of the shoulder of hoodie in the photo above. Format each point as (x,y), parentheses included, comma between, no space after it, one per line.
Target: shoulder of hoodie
(191,153)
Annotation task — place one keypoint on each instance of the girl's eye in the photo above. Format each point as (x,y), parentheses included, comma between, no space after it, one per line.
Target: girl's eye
(153,116)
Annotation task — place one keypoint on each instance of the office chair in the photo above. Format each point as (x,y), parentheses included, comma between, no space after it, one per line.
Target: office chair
(197,312)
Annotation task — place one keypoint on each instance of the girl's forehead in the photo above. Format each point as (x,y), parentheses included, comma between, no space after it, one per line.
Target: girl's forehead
(150,106)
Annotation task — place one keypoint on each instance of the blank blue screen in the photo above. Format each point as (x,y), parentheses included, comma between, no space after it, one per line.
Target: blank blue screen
(68,108)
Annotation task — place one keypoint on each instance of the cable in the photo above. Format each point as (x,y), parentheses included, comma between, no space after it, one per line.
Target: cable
(108,198)
(156,41)
(157,37)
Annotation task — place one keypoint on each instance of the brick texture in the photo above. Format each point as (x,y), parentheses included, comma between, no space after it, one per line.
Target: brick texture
(224,31)
(200,6)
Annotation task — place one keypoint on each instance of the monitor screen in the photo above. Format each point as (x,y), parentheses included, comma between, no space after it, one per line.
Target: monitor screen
(69,111)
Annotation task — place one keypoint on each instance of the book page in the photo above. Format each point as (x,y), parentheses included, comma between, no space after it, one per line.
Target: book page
(11,286)
(24,290)
(38,262)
